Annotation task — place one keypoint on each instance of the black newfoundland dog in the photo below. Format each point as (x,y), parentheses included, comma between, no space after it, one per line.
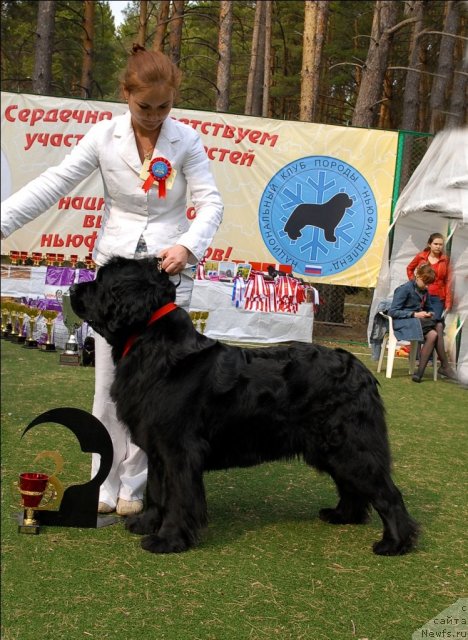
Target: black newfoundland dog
(194,404)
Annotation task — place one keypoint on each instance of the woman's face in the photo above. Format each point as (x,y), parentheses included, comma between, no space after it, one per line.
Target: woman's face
(150,106)
(421,284)
(437,246)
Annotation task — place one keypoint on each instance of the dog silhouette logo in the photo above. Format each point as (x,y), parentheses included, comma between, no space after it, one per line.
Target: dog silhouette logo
(319,215)
(326,216)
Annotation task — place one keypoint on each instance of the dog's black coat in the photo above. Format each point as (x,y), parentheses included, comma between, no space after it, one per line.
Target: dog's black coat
(326,216)
(195,404)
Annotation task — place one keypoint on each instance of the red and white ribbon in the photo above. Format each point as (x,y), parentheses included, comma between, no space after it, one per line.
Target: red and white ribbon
(159,171)
(290,294)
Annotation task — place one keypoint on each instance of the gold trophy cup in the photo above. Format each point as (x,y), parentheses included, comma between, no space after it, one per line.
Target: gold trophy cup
(33,313)
(195,317)
(14,333)
(5,320)
(49,316)
(22,310)
(203,320)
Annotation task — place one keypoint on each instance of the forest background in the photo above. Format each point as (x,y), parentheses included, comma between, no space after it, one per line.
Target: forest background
(385,64)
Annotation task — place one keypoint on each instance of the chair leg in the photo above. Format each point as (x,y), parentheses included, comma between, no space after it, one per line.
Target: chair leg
(434,364)
(390,356)
(382,353)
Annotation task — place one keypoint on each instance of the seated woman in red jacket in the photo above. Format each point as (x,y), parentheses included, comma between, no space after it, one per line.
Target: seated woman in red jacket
(440,290)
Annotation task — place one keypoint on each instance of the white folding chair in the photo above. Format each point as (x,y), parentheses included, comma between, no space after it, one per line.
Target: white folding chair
(391,344)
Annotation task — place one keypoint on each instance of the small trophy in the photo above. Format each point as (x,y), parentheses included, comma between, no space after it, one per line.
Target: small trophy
(22,311)
(14,333)
(71,355)
(34,488)
(5,320)
(203,320)
(33,314)
(49,316)
(195,317)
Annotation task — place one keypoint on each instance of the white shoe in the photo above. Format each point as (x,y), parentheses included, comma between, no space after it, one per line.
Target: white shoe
(103,507)
(129,507)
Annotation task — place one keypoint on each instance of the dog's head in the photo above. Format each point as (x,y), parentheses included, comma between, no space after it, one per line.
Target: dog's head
(122,298)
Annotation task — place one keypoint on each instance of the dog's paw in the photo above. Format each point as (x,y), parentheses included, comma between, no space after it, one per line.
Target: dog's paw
(156,544)
(143,523)
(392,548)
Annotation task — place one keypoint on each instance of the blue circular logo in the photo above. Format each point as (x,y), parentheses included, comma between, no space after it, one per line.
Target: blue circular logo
(319,215)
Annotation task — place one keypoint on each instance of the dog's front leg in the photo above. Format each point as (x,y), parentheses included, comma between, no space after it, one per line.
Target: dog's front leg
(149,521)
(184,505)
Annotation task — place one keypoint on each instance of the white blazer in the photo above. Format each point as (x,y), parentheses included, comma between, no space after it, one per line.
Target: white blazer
(129,212)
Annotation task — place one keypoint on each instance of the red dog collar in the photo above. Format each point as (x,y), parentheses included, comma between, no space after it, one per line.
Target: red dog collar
(167,308)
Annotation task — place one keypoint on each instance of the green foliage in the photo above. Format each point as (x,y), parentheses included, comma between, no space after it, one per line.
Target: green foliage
(18,28)
(18,21)
(345,51)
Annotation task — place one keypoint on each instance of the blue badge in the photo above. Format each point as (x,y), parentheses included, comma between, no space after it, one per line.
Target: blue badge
(319,215)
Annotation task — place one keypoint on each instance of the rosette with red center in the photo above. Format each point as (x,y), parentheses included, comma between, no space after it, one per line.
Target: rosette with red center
(159,171)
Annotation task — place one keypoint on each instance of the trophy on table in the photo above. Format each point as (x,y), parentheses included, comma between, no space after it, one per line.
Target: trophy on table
(195,318)
(71,355)
(203,320)
(49,316)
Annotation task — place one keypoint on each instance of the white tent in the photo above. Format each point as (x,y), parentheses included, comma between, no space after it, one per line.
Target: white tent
(434,200)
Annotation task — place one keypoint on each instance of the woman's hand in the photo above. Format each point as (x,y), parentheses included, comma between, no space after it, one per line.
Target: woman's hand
(423,314)
(174,259)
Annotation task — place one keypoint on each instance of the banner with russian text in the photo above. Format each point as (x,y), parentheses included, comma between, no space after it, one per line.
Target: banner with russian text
(312,196)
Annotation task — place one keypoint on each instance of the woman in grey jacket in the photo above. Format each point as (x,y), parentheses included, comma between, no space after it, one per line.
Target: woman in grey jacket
(413,319)
(149,163)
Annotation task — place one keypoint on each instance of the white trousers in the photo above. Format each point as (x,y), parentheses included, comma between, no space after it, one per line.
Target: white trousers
(127,477)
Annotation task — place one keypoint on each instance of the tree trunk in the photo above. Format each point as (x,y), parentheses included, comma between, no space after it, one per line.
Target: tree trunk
(457,113)
(315,32)
(444,72)
(88,43)
(267,60)
(413,75)
(42,75)
(256,62)
(161,27)
(308,55)
(142,22)
(385,121)
(424,91)
(223,77)
(175,30)
(370,90)
(409,120)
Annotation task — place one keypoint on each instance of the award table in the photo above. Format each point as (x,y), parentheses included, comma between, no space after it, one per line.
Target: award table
(228,322)
(225,321)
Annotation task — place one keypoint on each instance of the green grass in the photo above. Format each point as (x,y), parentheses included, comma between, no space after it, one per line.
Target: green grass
(266,566)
